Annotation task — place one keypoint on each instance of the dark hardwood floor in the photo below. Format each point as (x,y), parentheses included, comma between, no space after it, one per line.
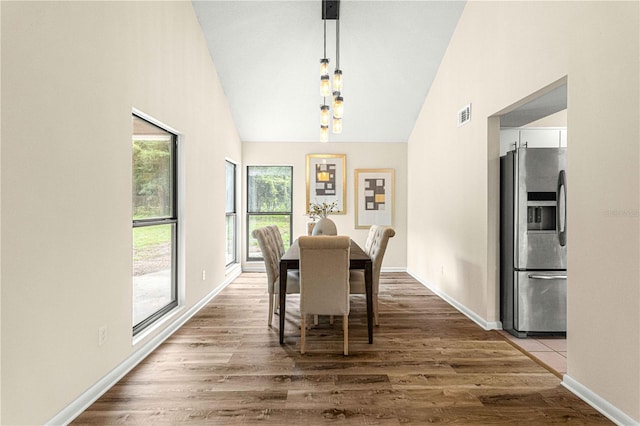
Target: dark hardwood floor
(428,364)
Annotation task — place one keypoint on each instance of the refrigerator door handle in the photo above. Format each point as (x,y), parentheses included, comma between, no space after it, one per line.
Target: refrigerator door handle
(546,277)
(561,210)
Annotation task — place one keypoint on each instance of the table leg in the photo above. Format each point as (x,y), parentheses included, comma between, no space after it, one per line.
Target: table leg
(283,298)
(368,284)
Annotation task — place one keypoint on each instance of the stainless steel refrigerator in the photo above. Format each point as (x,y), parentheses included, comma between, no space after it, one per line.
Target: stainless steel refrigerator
(533,241)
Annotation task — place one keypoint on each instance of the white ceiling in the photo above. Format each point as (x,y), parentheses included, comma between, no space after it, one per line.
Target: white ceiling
(267,54)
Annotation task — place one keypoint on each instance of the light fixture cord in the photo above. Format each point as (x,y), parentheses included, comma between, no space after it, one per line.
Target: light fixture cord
(338,43)
(325,29)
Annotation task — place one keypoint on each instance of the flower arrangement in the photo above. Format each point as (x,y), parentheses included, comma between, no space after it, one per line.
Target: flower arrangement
(321,210)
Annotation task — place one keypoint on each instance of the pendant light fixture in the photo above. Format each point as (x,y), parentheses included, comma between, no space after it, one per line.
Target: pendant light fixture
(337,74)
(324,133)
(334,112)
(324,115)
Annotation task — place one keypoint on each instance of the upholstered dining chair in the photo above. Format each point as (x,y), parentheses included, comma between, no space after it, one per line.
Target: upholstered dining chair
(375,246)
(275,232)
(324,281)
(270,251)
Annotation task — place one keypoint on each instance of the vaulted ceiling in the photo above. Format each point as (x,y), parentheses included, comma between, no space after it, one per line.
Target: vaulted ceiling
(267,54)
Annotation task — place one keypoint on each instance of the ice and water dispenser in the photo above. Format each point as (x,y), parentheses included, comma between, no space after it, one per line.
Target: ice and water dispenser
(541,211)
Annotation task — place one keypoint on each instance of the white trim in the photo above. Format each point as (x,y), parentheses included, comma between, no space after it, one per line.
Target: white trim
(393,269)
(459,306)
(234,269)
(88,397)
(152,120)
(603,406)
(238,205)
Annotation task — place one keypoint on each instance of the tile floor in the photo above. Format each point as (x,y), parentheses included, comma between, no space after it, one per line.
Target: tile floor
(552,351)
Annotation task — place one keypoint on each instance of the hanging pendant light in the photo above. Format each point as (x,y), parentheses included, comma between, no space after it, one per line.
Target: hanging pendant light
(337,74)
(338,106)
(337,125)
(324,133)
(324,66)
(337,80)
(324,115)
(331,11)
(325,86)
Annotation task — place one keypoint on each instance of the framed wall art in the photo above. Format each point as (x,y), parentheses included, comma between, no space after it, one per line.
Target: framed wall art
(326,180)
(374,197)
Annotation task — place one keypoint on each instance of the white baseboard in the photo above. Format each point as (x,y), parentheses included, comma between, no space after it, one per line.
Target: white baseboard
(393,269)
(486,325)
(597,402)
(76,407)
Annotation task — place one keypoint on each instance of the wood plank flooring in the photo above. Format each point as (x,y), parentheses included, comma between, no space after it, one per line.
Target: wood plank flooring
(428,364)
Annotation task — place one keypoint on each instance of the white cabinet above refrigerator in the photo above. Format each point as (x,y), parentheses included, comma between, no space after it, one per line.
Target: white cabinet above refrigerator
(532,137)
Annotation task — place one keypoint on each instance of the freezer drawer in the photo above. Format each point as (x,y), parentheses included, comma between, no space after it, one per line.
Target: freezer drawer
(541,301)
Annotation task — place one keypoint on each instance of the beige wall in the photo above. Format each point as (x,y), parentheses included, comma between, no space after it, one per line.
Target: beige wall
(71,74)
(500,53)
(358,156)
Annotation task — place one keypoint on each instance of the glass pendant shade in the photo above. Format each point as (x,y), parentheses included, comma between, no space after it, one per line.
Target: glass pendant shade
(324,115)
(338,107)
(324,66)
(337,125)
(324,133)
(325,86)
(337,81)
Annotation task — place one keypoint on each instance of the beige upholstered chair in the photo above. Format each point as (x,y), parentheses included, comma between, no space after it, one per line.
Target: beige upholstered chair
(324,281)
(275,232)
(270,251)
(375,247)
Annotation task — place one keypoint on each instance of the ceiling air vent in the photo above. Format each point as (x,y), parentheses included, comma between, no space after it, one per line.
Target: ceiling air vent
(464,115)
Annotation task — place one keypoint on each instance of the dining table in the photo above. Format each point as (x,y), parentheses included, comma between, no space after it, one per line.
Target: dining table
(358,259)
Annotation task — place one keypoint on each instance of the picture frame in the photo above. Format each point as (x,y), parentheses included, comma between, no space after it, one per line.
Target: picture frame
(326,180)
(374,197)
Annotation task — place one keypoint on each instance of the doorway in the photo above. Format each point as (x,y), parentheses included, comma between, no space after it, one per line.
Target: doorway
(542,117)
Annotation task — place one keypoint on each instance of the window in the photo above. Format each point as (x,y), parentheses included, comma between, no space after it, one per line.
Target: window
(155,223)
(269,192)
(231,218)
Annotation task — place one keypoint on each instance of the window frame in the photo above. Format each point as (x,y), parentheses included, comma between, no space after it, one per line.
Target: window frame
(173,220)
(249,213)
(234,214)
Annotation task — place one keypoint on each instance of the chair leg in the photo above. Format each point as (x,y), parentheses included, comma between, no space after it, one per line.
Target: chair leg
(269,320)
(303,337)
(375,309)
(345,330)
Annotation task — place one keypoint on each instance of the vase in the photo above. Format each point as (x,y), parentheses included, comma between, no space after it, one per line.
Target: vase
(325,226)
(310,226)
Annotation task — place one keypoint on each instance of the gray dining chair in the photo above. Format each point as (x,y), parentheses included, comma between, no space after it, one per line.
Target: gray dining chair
(269,247)
(375,247)
(324,281)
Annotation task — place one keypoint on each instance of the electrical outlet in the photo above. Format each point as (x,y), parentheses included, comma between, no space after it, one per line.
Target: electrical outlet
(204,275)
(102,335)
